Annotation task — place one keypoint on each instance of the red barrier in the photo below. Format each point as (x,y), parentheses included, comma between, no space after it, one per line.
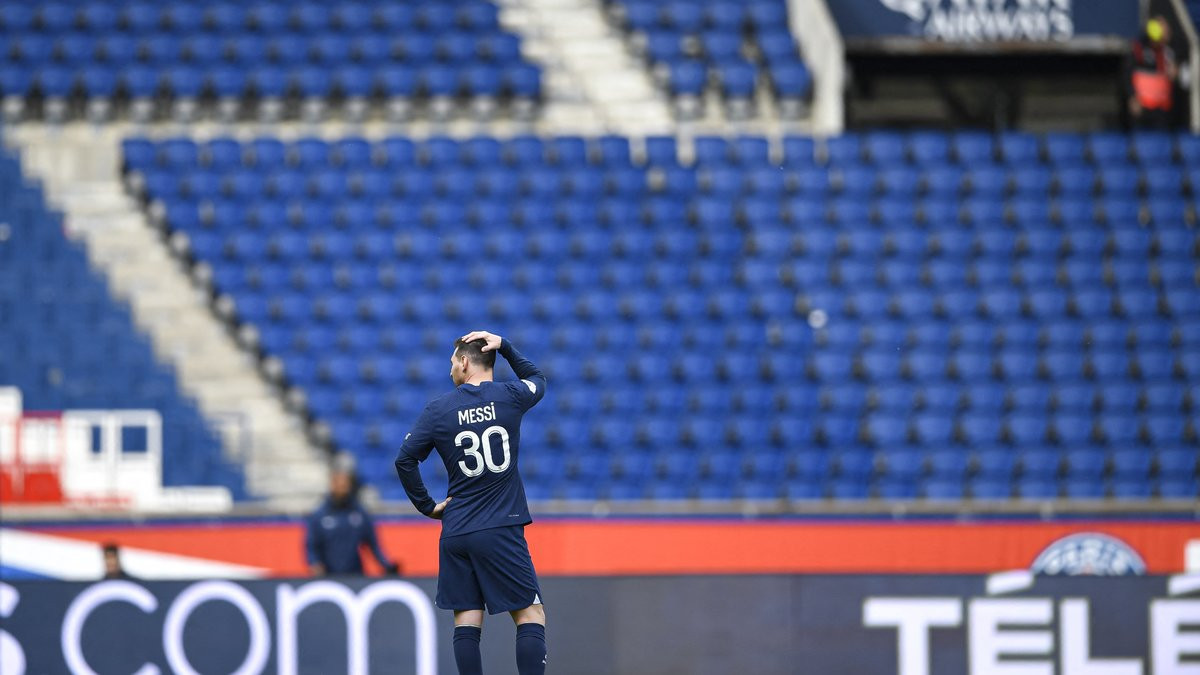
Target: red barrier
(635,547)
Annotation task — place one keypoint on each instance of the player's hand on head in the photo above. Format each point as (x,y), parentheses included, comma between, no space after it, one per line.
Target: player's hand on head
(491,340)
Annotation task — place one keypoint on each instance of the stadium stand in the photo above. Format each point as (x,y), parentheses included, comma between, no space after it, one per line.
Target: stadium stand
(729,48)
(67,344)
(882,314)
(261,59)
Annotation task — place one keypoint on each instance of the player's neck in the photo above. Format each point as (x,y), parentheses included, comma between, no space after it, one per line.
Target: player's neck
(479,378)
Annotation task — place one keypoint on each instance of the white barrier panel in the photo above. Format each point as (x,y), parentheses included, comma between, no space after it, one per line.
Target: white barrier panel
(108,458)
(98,465)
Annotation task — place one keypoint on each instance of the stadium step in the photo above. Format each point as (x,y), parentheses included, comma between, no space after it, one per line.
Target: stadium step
(592,82)
(81,178)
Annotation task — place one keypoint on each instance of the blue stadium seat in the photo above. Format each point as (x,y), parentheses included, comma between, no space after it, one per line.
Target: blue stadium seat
(1084,489)
(1027,428)
(933,428)
(983,488)
(1151,147)
(766,14)
(938,489)
(1063,148)
(996,463)
(949,465)
(1086,465)
(1138,489)
(971,148)
(1035,489)
(1040,463)
(1178,488)
(1164,396)
(1132,465)
(1019,148)
(1108,148)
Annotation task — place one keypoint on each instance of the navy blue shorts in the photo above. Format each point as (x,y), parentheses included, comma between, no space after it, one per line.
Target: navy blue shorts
(487,569)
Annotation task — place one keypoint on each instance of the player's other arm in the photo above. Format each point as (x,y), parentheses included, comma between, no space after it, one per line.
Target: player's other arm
(526,370)
(416,447)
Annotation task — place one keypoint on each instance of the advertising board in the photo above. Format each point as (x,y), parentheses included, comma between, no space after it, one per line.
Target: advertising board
(829,624)
(976,22)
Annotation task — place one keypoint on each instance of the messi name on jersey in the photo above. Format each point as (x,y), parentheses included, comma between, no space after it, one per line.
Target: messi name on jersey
(485,413)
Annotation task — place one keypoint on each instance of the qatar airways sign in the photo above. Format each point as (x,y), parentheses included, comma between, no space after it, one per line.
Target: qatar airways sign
(216,626)
(986,21)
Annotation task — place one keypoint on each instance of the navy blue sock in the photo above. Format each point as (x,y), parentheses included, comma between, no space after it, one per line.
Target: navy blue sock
(531,649)
(466,650)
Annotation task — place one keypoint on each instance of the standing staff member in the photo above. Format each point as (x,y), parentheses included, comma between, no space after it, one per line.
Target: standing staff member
(484,562)
(339,529)
(1152,77)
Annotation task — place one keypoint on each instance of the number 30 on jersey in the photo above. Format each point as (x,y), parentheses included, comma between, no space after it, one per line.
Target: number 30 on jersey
(470,443)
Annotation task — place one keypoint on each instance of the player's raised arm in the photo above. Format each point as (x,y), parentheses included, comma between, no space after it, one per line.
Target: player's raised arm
(526,370)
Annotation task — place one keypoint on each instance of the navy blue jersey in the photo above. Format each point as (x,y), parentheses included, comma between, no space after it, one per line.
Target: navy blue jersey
(476,430)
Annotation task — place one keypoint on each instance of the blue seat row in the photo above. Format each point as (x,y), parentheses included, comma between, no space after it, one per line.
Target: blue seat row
(186,17)
(990,158)
(692,16)
(56,57)
(332,48)
(894,198)
(389,81)
(1015,149)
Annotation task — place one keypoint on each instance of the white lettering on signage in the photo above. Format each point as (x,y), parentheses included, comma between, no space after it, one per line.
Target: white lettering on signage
(82,607)
(988,20)
(912,618)
(209,591)
(988,640)
(357,609)
(290,603)
(1016,636)
(12,657)
(1170,643)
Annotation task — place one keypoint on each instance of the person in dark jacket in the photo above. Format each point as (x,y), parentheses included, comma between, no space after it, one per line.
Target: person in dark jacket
(339,529)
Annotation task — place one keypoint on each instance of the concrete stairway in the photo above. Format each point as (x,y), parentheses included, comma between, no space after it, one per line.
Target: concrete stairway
(78,166)
(592,83)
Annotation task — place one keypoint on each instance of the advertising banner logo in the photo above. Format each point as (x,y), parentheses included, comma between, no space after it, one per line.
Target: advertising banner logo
(986,21)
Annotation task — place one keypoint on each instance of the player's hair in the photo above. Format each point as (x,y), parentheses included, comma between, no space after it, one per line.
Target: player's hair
(473,350)
(110,547)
